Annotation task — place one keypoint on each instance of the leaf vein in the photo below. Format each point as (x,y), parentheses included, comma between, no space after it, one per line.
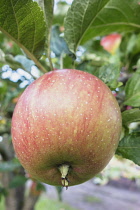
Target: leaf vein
(92,20)
(84,16)
(15,19)
(118,23)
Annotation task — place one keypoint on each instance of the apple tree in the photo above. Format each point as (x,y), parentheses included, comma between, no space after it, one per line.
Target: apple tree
(98,37)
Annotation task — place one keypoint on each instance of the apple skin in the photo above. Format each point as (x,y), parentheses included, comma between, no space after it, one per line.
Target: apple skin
(66,117)
(111,42)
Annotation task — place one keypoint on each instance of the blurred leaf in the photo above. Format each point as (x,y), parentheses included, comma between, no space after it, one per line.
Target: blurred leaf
(17,181)
(116,16)
(67,62)
(129,116)
(8,59)
(45,203)
(138,65)
(58,44)
(132,91)
(3,89)
(3,192)
(133,44)
(130,50)
(23,21)
(25,62)
(9,166)
(80,16)
(8,46)
(40,187)
(1,38)
(2,57)
(15,63)
(88,66)
(109,74)
(60,13)
(12,92)
(129,148)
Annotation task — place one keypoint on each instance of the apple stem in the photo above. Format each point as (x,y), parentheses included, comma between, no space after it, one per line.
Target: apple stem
(64,169)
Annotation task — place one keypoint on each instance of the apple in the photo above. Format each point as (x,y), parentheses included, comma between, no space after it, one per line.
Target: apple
(111,42)
(66,127)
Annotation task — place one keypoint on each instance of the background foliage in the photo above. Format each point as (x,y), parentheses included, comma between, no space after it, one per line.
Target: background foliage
(34,41)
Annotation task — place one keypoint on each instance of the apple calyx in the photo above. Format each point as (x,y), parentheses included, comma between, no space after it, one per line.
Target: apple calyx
(64,169)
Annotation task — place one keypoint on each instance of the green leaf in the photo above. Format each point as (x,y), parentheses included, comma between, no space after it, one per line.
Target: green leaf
(23,21)
(117,16)
(17,181)
(80,16)
(129,116)
(129,148)
(85,21)
(9,166)
(132,91)
(109,74)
